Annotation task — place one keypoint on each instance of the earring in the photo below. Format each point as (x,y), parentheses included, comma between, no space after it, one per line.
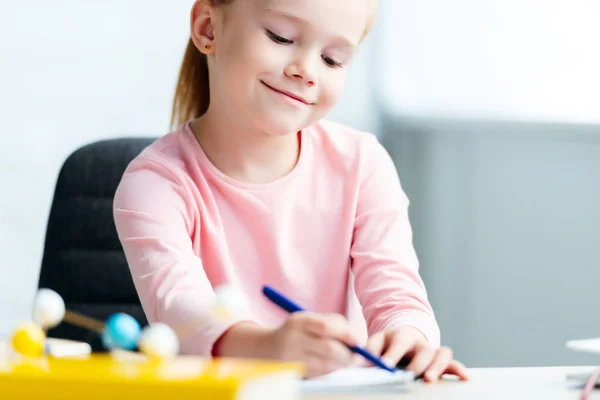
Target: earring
(207,46)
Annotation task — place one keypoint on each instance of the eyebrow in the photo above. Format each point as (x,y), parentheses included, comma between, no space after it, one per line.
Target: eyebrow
(294,18)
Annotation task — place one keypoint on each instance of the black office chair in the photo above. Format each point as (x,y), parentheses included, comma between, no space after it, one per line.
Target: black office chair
(83,259)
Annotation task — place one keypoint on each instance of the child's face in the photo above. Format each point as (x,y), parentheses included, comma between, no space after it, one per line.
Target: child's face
(301,47)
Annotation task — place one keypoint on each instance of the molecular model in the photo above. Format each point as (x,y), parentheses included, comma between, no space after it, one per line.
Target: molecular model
(119,331)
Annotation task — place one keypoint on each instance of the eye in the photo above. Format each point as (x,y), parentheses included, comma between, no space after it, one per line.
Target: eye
(331,62)
(278,39)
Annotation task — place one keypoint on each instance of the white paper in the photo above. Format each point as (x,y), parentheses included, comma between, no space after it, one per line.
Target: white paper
(359,379)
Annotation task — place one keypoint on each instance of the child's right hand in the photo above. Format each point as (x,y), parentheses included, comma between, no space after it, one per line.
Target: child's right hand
(315,340)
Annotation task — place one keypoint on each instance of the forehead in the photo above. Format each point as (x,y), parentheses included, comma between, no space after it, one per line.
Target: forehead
(347,18)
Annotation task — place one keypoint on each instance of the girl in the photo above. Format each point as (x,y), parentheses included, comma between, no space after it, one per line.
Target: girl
(254,187)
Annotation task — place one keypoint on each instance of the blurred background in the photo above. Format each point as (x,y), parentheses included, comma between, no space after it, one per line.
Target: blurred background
(490,109)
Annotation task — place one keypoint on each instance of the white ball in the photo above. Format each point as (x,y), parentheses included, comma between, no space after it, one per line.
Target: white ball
(48,308)
(229,302)
(158,340)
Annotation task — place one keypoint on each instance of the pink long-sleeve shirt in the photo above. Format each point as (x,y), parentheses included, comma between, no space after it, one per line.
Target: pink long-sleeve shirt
(333,235)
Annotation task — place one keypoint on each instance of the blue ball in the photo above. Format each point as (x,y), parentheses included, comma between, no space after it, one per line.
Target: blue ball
(121,331)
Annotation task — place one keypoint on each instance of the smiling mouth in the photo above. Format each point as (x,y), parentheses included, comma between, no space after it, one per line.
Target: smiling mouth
(288,94)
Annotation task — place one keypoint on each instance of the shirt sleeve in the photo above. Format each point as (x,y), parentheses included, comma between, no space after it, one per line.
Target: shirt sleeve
(385,265)
(153,223)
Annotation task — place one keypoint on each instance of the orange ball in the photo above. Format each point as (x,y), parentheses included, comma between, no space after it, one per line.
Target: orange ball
(29,340)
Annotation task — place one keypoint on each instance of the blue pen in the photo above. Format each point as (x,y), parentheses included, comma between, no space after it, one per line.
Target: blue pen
(291,307)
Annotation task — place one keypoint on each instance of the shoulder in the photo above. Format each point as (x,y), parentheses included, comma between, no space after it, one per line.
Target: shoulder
(171,155)
(159,171)
(170,152)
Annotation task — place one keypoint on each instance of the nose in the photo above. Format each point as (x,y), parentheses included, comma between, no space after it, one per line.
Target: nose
(303,69)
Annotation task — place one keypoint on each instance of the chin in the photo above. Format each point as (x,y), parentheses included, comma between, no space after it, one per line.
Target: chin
(282,127)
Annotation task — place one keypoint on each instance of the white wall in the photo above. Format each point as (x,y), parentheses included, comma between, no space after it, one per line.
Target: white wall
(534,60)
(72,72)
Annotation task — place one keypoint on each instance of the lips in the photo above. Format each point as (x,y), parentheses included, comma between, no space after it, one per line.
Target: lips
(289,94)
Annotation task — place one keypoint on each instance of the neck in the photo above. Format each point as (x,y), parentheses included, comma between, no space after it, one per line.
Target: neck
(243,152)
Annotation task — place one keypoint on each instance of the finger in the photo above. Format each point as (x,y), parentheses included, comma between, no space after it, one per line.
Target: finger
(398,346)
(359,361)
(333,326)
(310,323)
(441,360)
(332,353)
(423,357)
(314,366)
(375,345)
(458,369)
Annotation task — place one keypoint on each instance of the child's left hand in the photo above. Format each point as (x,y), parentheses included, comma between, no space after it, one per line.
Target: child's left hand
(408,342)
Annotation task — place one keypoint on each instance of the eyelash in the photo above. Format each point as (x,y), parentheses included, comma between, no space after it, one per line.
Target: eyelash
(278,39)
(331,62)
(281,40)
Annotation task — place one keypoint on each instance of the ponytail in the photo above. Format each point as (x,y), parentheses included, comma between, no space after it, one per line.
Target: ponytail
(191,92)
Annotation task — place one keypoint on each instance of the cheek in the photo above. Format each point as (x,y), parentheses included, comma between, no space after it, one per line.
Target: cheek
(257,54)
(332,88)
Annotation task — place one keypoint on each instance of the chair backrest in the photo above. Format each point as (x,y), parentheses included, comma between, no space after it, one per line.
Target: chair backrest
(83,259)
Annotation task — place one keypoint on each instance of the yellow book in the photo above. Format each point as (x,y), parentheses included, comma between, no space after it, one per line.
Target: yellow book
(123,375)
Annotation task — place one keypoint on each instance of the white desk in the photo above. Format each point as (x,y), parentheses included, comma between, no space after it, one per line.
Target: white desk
(543,383)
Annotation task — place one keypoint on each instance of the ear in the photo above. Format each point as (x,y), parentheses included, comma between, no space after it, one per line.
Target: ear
(202,20)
